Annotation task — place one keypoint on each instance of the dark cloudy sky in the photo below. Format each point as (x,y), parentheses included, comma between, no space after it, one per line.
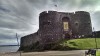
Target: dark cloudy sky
(21,16)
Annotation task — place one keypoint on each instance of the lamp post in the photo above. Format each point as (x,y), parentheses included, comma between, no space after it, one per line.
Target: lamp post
(95,37)
(18,42)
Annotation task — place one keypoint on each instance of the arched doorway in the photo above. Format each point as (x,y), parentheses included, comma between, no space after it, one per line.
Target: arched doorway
(66,27)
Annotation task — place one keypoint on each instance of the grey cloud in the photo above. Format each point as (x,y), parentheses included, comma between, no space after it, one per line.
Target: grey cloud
(23,15)
(96,20)
(20,15)
(4,9)
(3,36)
(89,3)
(64,5)
(13,23)
(38,3)
(20,19)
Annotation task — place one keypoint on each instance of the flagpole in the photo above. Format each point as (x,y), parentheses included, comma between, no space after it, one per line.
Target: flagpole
(18,43)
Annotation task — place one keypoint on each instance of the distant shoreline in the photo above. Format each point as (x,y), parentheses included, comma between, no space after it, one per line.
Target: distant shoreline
(9,45)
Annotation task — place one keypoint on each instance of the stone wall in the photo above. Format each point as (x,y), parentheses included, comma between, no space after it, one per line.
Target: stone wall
(28,41)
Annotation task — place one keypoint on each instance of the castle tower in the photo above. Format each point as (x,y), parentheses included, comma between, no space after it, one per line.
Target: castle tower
(85,27)
(81,23)
(50,27)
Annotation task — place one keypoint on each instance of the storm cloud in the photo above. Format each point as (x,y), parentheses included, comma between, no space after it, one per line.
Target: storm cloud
(22,16)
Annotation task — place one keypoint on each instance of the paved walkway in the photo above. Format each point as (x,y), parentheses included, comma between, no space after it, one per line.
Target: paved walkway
(48,53)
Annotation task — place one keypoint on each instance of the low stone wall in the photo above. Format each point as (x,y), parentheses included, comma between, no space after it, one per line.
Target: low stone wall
(27,42)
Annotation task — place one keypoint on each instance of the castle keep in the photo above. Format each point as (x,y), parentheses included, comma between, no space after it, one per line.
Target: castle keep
(55,26)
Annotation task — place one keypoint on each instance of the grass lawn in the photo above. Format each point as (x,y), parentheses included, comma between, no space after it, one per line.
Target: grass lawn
(98,53)
(85,43)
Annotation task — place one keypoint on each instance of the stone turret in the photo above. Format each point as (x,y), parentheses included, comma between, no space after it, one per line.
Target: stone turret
(85,27)
(50,27)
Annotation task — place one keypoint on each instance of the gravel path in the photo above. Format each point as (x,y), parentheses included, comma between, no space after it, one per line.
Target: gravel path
(48,53)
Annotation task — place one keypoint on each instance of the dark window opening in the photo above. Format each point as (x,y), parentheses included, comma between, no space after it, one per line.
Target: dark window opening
(76,24)
(88,23)
(47,23)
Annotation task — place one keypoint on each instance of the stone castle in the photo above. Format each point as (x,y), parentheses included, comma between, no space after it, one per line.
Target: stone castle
(55,26)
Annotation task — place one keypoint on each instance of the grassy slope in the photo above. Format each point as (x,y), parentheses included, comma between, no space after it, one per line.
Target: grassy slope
(98,53)
(86,43)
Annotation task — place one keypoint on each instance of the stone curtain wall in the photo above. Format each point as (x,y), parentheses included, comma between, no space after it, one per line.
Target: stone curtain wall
(28,41)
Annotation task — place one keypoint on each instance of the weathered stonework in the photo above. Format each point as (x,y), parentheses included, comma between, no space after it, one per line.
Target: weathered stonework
(28,41)
(55,26)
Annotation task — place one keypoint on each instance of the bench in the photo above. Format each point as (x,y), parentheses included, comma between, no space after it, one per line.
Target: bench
(91,52)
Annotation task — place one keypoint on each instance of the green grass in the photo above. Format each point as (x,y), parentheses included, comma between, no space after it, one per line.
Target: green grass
(98,53)
(86,43)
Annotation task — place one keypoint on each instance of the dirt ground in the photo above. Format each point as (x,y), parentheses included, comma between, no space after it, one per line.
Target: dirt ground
(47,53)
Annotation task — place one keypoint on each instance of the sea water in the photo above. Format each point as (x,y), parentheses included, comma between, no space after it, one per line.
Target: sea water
(8,48)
